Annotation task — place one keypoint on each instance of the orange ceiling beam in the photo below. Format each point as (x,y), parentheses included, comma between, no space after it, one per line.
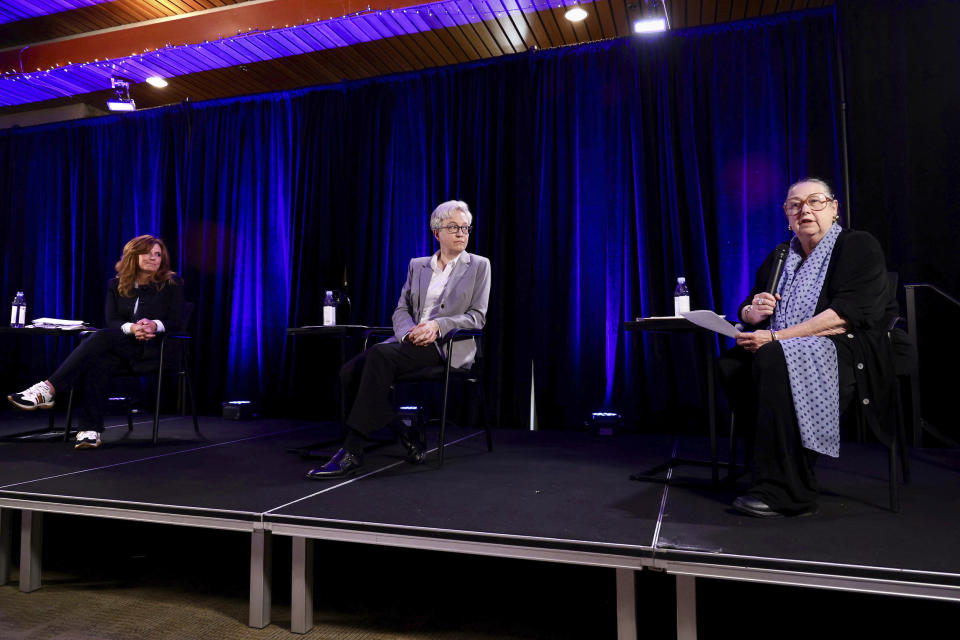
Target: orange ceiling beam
(188,28)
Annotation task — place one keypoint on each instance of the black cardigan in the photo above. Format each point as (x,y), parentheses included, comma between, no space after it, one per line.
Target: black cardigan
(856,288)
(164,304)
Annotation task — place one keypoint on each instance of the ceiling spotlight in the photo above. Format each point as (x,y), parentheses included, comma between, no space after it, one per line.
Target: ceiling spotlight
(652,18)
(157,81)
(121,104)
(123,101)
(577,14)
(650,25)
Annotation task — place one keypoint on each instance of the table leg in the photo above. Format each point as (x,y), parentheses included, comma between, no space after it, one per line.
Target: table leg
(708,365)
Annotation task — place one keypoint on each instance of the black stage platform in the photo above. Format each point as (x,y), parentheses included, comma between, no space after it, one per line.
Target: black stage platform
(550,496)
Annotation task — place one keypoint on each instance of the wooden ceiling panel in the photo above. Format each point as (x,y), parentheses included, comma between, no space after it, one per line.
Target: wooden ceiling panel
(505,32)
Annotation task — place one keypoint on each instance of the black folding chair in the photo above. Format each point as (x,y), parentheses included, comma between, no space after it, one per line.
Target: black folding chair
(446,373)
(174,358)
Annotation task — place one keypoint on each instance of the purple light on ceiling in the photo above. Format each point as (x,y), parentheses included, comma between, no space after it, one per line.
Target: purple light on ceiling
(246,48)
(14,10)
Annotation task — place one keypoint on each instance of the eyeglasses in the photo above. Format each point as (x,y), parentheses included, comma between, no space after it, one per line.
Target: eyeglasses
(816,202)
(453,228)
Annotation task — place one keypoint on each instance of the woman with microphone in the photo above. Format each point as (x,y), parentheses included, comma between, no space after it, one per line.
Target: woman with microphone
(143,300)
(812,344)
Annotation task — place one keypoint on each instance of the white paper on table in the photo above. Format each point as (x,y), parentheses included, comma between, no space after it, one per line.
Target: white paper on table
(710,320)
(57,323)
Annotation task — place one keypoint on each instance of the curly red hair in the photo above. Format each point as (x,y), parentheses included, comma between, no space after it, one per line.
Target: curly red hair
(128,266)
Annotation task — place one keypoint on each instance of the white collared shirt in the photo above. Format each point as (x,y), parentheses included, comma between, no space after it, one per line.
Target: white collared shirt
(438,280)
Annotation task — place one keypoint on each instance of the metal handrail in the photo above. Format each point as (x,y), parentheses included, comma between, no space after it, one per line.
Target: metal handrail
(927,285)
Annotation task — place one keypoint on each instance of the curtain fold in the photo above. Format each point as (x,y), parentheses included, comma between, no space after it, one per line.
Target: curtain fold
(597,174)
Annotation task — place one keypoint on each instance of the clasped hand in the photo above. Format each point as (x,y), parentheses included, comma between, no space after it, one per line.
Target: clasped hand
(144,329)
(424,333)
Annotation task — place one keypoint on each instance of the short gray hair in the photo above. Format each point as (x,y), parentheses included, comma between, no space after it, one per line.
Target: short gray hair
(823,183)
(447,209)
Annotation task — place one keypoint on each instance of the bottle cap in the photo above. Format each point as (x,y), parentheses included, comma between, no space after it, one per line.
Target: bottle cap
(329,293)
(681,280)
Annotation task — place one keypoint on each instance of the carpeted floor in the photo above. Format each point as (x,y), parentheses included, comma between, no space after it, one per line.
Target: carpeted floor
(70,609)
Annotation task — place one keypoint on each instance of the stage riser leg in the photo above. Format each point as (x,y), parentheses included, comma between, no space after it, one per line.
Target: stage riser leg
(31,548)
(686,608)
(261,571)
(301,587)
(626,605)
(6,545)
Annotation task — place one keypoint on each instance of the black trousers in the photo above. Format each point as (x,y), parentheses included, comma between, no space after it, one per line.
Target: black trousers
(88,370)
(758,387)
(366,381)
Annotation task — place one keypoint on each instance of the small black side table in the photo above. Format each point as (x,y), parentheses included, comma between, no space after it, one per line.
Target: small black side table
(672,324)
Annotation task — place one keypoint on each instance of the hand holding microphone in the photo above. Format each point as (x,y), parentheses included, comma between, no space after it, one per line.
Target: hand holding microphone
(764,303)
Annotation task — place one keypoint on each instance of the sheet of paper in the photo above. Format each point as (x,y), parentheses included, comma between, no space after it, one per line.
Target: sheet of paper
(57,322)
(710,320)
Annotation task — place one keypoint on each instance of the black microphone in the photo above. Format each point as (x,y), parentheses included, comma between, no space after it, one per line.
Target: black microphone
(779,259)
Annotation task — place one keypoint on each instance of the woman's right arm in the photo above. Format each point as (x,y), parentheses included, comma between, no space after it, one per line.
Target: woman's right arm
(746,312)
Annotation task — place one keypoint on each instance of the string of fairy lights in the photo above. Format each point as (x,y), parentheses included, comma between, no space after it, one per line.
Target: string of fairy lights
(18,86)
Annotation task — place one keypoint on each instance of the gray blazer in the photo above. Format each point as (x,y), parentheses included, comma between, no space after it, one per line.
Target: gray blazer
(463,303)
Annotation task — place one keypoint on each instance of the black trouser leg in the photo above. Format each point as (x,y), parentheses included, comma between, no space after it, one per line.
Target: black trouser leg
(366,381)
(94,388)
(90,348)
(783,474)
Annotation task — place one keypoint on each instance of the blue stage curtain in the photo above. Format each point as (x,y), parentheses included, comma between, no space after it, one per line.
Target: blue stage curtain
(597,175)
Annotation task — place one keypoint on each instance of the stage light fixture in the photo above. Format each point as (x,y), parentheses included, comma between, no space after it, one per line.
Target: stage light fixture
(650,25)
(576,14)
(409,416)
(651,17)
(123,101)
(238,410)
(157,81)
(605,423)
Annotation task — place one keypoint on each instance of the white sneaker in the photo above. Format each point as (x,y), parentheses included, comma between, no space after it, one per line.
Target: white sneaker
(38,396)
(87,440)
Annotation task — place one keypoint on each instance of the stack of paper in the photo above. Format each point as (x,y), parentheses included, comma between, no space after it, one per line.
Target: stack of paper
(56,323)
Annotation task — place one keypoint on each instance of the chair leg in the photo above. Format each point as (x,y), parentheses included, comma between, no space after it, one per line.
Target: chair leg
(129,420)
(894,481)
(69,418)
(156,409)
(193,406)
(486,416)
(181,403)
(443,413)
(732,469)
(901,436)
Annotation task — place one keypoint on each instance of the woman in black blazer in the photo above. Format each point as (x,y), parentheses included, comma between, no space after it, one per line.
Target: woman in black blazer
(143,300)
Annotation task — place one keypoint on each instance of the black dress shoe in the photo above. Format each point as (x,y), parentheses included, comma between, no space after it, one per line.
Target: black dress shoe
(343,464)
(755,507)
(416,450)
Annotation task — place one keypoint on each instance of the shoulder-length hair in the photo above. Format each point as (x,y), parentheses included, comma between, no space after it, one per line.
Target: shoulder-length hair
(128,266)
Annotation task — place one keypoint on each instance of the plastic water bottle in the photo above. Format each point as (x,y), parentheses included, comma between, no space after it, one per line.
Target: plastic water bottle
(18,311)
(329,310)
(681,297)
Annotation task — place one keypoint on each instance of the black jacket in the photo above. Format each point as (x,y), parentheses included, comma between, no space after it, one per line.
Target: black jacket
(163,304)
(856,287)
